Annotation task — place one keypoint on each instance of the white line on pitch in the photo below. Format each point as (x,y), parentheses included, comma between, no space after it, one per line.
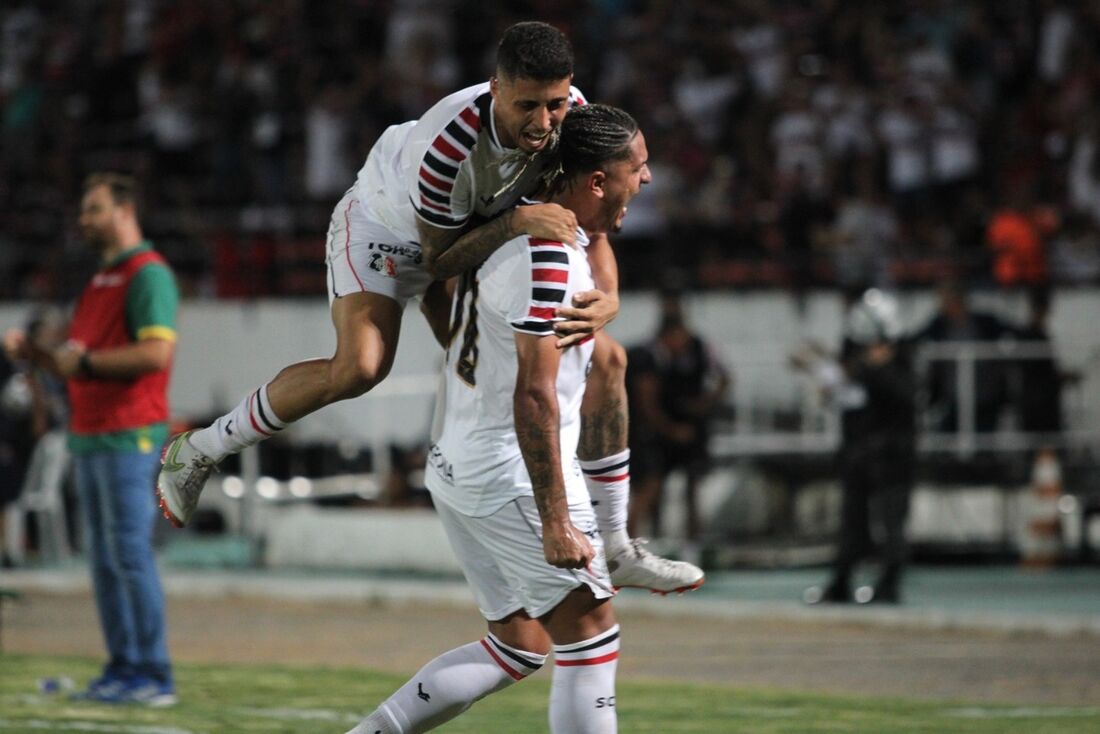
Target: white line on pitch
(1020,712)
(24,724)
(300,714)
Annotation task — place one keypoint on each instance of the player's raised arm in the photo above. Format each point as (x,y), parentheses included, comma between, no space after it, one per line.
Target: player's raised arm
(537,427)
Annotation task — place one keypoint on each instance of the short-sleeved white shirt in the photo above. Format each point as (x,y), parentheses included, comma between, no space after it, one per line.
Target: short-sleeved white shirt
(476,465)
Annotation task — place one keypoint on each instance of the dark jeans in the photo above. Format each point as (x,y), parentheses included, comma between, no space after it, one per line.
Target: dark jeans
(875,494)
(119,506)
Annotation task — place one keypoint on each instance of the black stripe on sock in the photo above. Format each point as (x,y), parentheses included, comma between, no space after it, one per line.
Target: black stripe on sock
(517,658)
(606,468)
(263,416)
(598,643)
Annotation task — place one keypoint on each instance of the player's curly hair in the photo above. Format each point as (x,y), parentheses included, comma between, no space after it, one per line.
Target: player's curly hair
(534,50)
(592,136)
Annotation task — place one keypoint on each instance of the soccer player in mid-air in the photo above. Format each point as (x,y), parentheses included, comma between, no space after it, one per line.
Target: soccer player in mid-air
(415,213)
(504,475)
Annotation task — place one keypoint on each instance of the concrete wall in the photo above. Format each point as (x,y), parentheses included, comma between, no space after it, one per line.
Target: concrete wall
(228,348)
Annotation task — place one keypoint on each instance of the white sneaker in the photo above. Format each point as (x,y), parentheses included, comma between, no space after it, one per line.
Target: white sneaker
(634,566)
(183,474)
(148,692)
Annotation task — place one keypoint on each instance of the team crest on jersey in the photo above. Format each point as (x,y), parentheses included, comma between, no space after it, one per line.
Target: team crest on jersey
(383,264)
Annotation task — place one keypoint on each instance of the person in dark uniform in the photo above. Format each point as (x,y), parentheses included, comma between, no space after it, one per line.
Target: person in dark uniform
(956,321)
(16,442)
(1040,380)
(873,386)
(675,383)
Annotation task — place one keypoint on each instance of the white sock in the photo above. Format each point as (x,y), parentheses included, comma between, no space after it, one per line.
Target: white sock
(376,723)
(250,422)
(449,685)
(608,481)
(582,693)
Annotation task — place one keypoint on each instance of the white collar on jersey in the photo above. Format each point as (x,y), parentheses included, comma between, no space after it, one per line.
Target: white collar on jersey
(583,239)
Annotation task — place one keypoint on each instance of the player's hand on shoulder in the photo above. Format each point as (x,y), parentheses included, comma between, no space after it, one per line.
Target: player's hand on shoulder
(564,546)
(592,310)
(548,222)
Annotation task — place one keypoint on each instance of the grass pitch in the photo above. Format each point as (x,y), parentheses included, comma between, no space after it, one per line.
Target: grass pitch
(228,699)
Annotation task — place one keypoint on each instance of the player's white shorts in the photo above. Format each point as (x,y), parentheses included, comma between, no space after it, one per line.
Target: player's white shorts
(501,556)
(363,255)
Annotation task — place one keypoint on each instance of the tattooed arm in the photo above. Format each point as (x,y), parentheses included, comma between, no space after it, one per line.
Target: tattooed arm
(538,429)
(450,252)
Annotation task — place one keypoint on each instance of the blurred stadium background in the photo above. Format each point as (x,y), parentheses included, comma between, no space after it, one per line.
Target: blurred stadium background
(799,149)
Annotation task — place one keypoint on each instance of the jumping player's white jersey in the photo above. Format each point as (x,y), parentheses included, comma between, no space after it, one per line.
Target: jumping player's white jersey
(446,167)
(476,466)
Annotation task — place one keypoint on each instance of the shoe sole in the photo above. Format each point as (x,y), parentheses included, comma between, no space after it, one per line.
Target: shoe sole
(666,592)
(166,512)
(176,522)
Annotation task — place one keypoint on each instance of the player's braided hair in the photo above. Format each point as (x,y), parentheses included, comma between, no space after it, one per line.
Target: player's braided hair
(592,136)
(534,50)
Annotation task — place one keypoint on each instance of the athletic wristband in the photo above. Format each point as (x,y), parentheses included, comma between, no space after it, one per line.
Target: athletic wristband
(86,366)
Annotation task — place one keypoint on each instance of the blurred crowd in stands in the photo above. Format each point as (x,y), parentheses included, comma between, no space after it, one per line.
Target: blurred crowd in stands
(794,143)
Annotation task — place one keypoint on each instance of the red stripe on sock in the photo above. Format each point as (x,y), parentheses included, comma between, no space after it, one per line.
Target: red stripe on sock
(589,661)
(251,417)
(501,663)
(616,478)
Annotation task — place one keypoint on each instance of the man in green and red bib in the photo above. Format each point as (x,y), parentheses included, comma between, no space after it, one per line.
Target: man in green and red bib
(117,363)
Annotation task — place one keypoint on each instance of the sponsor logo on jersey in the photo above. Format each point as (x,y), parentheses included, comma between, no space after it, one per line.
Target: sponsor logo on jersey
(408,251)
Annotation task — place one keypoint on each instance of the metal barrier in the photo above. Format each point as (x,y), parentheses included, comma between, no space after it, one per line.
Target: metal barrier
(811,426)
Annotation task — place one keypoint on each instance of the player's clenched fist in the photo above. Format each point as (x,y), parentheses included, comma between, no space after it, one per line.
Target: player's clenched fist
(566,547)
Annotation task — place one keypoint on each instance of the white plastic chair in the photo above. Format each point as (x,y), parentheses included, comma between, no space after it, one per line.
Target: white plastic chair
(42,496)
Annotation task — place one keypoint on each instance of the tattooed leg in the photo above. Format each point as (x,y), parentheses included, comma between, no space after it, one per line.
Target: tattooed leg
(604,413)
(603,453)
